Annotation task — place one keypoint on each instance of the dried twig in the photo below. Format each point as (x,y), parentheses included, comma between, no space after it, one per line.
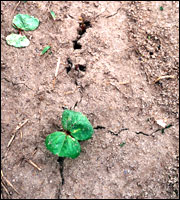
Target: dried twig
(16,7)
(8,182)
(163,77)
(124,83)
(69,92)
(114,13)
(33,164)
(114,86)
(119,83)
(35,151)
(6,190)
(20,125)
(57,68)
(10,141)
(56,72)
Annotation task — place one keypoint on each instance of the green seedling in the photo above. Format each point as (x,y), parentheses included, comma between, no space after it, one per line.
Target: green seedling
(161,8)
(22,22)
(122,144)
(45,50)
(53,15)
(76,127)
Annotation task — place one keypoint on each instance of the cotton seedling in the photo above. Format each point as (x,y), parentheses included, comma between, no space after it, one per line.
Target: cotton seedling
(76,127)
(22,22)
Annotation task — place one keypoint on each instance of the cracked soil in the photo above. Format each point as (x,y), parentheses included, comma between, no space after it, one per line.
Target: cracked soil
(107,72)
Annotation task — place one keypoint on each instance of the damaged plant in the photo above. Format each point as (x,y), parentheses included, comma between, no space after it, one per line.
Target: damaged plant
(76,127)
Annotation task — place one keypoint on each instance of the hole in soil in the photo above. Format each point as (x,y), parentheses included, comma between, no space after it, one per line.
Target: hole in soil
(76,45)
(68,68)
(83,25)
(82,68)
(75,82)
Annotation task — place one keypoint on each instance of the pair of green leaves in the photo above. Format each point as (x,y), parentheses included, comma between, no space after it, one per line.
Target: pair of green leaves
(76,127)
(22,22)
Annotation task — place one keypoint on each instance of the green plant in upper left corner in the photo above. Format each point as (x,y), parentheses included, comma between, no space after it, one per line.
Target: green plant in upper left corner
(76,127)
(22,22)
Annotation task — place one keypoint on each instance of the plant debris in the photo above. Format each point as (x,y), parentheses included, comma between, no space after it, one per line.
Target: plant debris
(8,182)
(33,164)
(164,77)
(20,125)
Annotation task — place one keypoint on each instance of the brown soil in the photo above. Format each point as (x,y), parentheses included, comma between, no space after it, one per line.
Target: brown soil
(126,47)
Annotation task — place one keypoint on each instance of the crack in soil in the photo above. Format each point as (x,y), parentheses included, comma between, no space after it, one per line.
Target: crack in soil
(16,83)
(61,169)
(61,163)
(140,132)
(116,134)
(99,127)
(81,90)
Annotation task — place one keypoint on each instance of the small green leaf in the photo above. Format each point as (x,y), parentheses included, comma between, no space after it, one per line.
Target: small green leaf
(17,40)
(25,22)
(122,144)
(53,15)
(63,145)
(71,148)
(45,50)
(77,124)
(161,8)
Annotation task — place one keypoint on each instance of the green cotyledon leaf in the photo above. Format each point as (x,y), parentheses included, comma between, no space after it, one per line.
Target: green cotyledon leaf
(17,40)
(53,15)
(77,124)
(45,50)
(63,145)
(25,22)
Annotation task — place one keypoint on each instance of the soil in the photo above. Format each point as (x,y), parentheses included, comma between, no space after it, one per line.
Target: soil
(118,54)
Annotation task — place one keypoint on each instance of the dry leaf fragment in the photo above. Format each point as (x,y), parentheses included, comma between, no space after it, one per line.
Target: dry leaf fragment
(163,77)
